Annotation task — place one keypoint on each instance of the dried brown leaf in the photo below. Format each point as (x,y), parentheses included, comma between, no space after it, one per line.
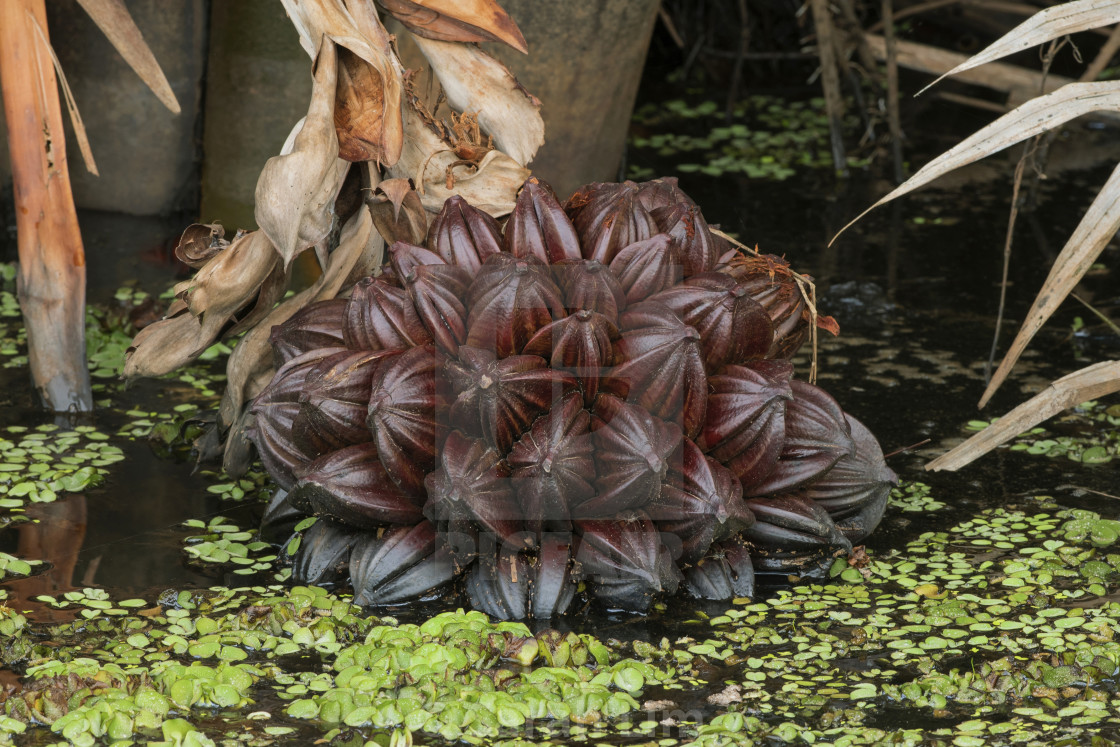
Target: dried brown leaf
(199,243)
(1046,25)
(1036,116)
(162,347)
(1096,229)
(232,280)
(457,21)
(398,213)
(491,185)
(296,191)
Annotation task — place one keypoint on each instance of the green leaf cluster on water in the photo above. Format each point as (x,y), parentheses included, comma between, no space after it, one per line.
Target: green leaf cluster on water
(224,543)
(765,138)
(1089,434)
(38,464)
(221,661)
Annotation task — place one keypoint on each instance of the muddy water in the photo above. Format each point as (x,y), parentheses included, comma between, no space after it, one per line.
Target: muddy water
(915,300)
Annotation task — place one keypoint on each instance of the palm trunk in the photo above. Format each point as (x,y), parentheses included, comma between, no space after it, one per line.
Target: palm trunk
(52,275)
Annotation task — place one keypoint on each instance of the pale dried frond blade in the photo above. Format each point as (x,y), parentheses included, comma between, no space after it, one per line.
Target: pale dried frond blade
(114,21)
(1096,229)
(296,192)
(71,104)
(1036,116)
(1089,383)
(1046,25)
(475,82)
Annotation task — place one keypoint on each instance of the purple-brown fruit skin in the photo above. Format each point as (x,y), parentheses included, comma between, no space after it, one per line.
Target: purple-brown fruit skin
(332,406)
(509,301)
(727,572)
(539,227)
(608,217)
(688,232)
(464,235)
(403,564)
(497,400)
(788,522)
(315,326)
(473,483)
(437,289)
(276,408)
(645,267)
(588,285)
(553,465)
(662,192)
(770,282)
(592,394)
(856,489)
(733,327)
(625,561)
(817,435)
(745,428)
(406,416)
(633,453)
(382,317)
(660,367)
(701,502)
(582,344)
(351,486)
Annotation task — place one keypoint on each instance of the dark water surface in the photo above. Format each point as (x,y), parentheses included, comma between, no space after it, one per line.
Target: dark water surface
(915,301)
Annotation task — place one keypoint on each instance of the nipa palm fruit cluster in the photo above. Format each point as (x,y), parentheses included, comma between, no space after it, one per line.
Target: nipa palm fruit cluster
(593,400)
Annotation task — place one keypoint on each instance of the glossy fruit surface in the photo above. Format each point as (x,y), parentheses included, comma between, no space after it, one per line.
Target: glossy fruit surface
(593,400)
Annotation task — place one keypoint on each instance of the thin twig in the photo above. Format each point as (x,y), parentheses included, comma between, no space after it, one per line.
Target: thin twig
(667,20)
(71,105)
(1026,158)
(737,67)
(1097,492)
(1096,312)
(805,285)
(894,118)
(830,81)
(1104,56)
(1019,168)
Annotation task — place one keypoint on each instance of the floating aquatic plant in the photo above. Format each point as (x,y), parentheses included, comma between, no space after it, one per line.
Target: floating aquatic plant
(598,395)
(39,464)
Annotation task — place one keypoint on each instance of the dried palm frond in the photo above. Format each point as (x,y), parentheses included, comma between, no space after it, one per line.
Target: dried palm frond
(1097,227)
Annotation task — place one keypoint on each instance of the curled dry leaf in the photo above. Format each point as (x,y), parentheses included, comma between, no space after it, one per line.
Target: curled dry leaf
(246,277)
(199,243)
(437,166)
(162,347)
(473,81)
(398,213)
(296,191)
(231,281)
(457,21)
